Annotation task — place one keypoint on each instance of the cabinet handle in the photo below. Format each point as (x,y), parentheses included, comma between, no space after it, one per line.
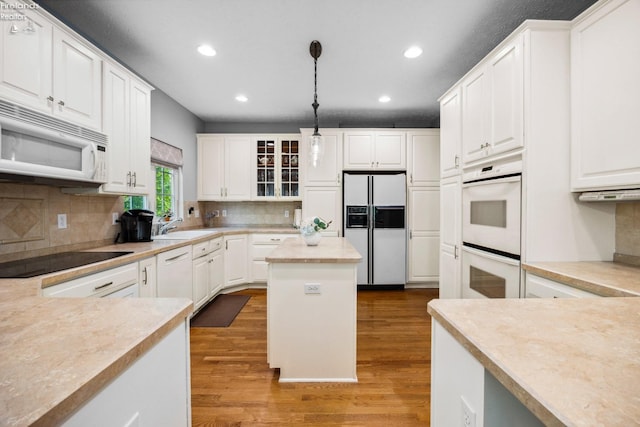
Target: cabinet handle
(221,194)
(410,234)
(411,178)
(456,161)
(50,98)
(135,179)
(338,178)
(455,252)
(129,179)
(144,281)
(226,245)
(102,286)
(275,240)
(377,164)
(225,192)
(61,103)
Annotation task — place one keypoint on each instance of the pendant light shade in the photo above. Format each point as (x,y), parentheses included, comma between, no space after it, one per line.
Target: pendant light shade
(316,143)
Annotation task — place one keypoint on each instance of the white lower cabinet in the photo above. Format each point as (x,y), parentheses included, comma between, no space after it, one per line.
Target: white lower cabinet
(102,284)
(235,260)
(147,277)
(154,391)
(450,237)
(208,270)
(539,287)
(424,234)
(464,393)
(261,246)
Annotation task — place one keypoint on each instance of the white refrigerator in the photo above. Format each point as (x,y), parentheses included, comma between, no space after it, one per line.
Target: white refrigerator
(374,222)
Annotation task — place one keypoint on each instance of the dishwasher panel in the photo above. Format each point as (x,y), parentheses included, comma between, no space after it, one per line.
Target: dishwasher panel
(175,273)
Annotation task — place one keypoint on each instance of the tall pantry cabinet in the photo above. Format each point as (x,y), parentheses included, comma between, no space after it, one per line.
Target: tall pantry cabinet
(322,185)
(423,207)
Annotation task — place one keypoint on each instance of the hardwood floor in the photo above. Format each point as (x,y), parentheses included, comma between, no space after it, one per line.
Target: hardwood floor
(232,384)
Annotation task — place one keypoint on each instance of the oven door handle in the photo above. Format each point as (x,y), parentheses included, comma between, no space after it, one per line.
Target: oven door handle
(488,181)
(490,256)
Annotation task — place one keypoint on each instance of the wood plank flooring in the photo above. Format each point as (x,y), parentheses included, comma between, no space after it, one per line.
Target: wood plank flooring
(232,384)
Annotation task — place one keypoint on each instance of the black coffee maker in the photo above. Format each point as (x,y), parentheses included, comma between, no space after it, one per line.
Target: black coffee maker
(136,225)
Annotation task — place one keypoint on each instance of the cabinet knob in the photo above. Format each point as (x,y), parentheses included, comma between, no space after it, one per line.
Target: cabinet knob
(61,103)
(50,98)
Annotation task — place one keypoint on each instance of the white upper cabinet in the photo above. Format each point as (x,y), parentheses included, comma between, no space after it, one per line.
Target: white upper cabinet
(224,167)
(328,172)
(375,150)
(492,104)
(50,71)
(127,122)
(605,97)
(27,61)
(76,81)
(451,132)
(276,167)
(423,157)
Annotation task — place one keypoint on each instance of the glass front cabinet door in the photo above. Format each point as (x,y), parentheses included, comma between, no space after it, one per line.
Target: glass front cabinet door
(277,168)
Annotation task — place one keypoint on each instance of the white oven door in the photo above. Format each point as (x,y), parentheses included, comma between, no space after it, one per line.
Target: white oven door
(491,214)
(486,275)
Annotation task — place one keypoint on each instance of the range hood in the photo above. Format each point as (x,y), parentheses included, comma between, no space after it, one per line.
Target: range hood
(611,196)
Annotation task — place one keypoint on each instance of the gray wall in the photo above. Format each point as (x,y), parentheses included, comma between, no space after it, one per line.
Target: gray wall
(175,125)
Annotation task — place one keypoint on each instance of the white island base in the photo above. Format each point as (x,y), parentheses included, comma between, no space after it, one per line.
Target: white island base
(311,311)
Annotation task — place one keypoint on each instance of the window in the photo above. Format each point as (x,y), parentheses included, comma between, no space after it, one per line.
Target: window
(167,192)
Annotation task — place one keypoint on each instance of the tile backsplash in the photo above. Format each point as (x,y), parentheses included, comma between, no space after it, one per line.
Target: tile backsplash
(628,231)
(249,213)
(29,221)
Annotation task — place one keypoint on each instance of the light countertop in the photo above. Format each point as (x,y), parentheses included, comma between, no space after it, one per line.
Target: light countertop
(334,250)
(609,279)
(56,353)
(570,361)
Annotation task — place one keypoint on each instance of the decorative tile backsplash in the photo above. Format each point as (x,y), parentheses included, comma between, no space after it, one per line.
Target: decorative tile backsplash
(628,230)
(29,221)
(21,220)
(249,213)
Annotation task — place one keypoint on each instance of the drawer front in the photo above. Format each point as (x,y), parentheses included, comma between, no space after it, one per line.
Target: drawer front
(201,249)
(539,287)
(269,239)
(96,285)
(259,252)
(215,244)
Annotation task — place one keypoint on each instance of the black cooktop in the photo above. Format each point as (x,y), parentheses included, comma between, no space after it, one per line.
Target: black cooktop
(36,266)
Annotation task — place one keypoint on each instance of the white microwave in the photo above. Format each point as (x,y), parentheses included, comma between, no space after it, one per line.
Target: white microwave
(36,145)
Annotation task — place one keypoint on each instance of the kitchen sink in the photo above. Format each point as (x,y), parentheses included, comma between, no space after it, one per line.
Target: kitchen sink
(183,235)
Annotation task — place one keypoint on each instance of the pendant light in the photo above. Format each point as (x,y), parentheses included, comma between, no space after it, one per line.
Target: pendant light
(316,143)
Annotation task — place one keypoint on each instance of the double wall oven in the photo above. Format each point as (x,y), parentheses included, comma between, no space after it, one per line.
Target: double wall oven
(491,212)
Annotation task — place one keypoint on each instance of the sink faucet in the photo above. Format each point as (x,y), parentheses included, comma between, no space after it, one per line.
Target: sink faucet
(164,228)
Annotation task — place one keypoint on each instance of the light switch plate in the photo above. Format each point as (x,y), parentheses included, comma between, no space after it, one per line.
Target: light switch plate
(62,220)
(312,288)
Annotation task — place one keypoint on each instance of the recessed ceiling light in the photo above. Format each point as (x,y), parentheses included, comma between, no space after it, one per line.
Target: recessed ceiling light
(413,52)
(241,98)
(206,50)
(384,98)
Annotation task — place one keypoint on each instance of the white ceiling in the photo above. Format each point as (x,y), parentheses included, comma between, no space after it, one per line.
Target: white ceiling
(263,52)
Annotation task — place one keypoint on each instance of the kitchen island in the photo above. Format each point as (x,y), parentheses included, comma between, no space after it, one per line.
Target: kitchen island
(531,362)
(311,310)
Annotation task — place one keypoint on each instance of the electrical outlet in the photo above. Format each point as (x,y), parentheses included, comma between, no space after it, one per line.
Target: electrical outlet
(286,214)
(224,212)
(62,220)
(114,218)
(197,213)
(312,288)
(467,414)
